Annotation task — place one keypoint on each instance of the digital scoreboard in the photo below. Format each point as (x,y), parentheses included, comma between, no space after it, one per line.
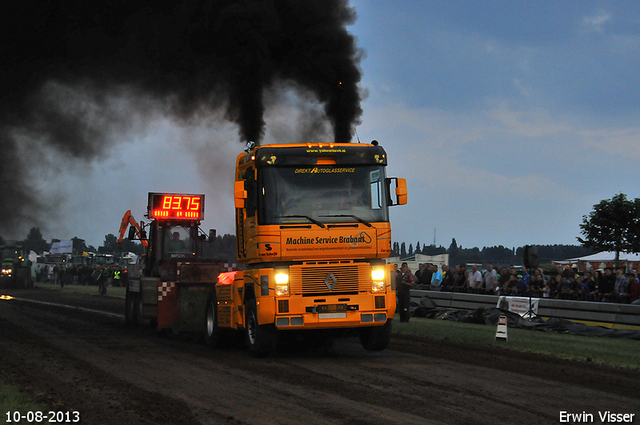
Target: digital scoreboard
(176,206)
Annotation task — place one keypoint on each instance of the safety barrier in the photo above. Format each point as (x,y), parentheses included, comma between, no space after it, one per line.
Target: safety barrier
(622,314)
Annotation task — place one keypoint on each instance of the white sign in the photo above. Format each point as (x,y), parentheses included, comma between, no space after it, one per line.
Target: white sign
(501,331)
(62,247)
(518,305)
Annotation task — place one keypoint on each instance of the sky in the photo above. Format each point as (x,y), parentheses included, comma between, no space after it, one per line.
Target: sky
(509,120)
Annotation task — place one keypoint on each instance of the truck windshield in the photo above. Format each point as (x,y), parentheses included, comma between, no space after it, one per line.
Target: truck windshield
(178,241)
(322,194)
(9,253)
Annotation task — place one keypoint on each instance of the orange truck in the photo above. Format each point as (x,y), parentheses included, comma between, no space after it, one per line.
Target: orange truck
(313,233)
(312,227)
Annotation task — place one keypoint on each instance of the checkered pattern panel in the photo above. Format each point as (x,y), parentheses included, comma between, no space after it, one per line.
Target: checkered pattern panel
(164,288)
(228,267)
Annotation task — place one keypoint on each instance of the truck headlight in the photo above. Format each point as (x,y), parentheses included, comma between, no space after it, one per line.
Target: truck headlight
(377,280)
(282,284)
(377,274)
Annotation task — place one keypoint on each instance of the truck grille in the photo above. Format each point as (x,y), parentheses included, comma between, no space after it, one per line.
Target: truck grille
(283,306)
(330,278)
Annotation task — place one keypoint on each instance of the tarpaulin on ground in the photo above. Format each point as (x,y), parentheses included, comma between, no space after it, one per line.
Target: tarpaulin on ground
(489,316)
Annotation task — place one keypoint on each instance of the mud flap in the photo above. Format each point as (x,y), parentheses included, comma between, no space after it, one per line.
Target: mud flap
(168,308)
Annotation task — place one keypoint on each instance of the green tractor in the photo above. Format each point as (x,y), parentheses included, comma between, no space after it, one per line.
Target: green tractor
(16,267)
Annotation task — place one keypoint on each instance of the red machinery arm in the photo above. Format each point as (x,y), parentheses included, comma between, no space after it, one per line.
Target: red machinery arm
(126,220)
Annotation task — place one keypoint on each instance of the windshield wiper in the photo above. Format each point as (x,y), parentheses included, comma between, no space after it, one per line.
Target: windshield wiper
(316,222)
(350,215)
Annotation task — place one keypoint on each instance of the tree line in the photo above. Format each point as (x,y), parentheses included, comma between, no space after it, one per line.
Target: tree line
(221,248)
(497,255)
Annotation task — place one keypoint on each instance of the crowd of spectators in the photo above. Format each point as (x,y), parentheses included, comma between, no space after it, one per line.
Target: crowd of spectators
(101,276)
(605,285)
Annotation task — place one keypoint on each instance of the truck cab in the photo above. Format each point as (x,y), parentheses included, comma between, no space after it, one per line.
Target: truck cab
(16,270)
(167,286)
(312,225)
(171,242)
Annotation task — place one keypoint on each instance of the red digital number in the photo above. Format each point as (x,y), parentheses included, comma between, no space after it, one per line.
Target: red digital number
(179,207)
(177,200)
(195,203)
(166,202)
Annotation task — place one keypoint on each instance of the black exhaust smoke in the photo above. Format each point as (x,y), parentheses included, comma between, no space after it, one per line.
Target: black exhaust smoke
(188,56)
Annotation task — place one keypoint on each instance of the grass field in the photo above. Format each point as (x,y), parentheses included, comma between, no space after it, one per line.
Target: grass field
(112,291)
(12,400)
(616,352)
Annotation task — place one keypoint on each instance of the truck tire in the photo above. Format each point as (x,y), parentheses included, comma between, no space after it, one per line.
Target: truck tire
(212,333)
(260,339)
(132,308)
(376,338)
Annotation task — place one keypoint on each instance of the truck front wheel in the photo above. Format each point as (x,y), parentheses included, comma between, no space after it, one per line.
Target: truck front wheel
(211,330)
(260,339)
(376,338)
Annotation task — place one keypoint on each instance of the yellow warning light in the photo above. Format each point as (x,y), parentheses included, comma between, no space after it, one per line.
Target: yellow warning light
(6,297)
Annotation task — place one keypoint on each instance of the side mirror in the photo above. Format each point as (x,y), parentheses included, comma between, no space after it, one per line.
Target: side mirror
(401,191)
(399,194)
(239,194)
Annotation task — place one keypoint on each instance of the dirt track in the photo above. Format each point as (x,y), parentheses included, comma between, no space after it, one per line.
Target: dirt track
(112,374)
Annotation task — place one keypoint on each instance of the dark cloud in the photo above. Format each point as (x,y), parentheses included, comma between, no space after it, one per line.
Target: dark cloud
(62,60)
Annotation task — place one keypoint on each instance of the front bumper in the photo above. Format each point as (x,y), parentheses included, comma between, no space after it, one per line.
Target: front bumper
(334,312)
